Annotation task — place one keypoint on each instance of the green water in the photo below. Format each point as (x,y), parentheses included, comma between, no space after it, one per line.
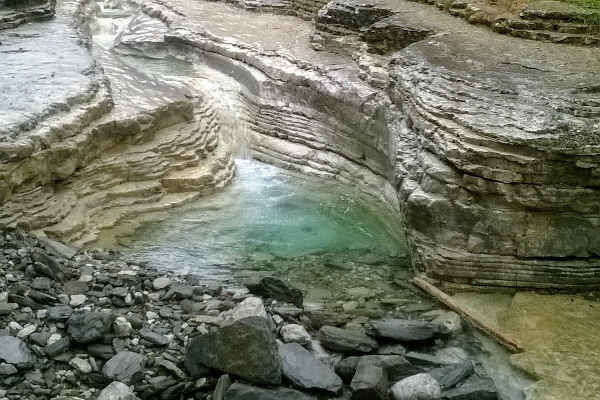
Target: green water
(272,217)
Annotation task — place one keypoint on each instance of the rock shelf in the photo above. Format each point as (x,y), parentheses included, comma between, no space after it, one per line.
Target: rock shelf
(488,146)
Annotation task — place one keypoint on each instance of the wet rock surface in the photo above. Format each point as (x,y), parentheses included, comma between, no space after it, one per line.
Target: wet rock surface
(107,349)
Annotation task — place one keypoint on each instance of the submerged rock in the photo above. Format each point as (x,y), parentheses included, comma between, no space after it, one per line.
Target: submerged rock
(345,340)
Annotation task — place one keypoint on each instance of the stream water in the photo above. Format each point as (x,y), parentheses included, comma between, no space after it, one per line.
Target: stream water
(346,250)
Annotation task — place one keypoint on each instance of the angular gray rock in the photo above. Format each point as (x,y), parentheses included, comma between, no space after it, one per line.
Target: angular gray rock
(396,367)
(346,341)
(370,381)
(245,348)
(239,391)
(294,333)
(88,327)
(117,391)
(452,375)
(417,387)
(125,366)
(402,330)
(474,388)
(306,371)
(59,313)
(223,384)
(153,337)
(14,351)
(58,347)
(269,287)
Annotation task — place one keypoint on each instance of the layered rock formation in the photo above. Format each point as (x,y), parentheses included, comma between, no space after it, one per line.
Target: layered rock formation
(488,147)
(102,143)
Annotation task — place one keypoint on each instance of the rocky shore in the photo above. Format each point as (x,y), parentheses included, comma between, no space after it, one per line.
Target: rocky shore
(90,324)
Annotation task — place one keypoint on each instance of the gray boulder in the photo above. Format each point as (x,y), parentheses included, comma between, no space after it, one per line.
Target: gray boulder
(88,327)
(245,348)
(14,351)
(370,381)
(402,330)
(125,366)
(117,391)
(306,371)
(346,341)
(417,387)
(239,391)
(269,287)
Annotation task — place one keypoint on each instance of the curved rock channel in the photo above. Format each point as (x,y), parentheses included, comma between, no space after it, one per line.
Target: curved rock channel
(486,146)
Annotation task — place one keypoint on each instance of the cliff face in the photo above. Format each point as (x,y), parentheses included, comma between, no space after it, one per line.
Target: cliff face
(488,145)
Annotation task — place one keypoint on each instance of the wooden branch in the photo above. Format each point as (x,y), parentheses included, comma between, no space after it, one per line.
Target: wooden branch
(468,314)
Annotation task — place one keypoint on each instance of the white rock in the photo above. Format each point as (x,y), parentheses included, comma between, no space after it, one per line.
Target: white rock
(161,283)
(3,297)
(77,300)
(25,332)
(449,322)
(85,278)
(294,333)
(417,387)
(122,327)
(277,319)
(41,314)
(117,391)
(251,307)
(81,365)
(15,326)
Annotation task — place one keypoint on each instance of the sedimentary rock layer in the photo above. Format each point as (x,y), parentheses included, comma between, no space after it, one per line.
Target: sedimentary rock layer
(488,146)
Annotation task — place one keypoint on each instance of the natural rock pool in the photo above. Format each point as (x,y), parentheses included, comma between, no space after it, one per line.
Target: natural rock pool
(274,221)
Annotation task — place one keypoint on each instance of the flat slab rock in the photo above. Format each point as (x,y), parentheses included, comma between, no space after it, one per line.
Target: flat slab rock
(346,341)
(245,348)
(125,366)
(402,330)
(14,351)
(306,371)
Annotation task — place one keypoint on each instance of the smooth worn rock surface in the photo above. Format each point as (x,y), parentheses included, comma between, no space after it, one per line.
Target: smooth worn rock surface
(245,348)
(306,371)
(417,387)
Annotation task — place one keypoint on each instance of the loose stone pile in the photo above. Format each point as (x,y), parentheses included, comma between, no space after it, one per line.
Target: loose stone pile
(94,325)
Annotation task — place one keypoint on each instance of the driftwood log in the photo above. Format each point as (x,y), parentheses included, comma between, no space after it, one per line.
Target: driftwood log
(471,317)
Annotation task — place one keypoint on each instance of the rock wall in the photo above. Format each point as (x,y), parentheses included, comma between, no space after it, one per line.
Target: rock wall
(118,143)
(497,159)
